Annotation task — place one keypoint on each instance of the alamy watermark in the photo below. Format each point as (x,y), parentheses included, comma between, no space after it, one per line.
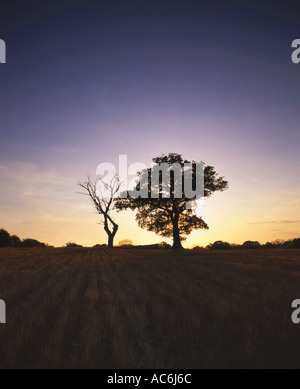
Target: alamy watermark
(187,182)
(296,313)
(2,51)
(2,312)
(296,53)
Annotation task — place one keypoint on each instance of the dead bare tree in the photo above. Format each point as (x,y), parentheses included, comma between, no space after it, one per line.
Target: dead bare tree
(103,202)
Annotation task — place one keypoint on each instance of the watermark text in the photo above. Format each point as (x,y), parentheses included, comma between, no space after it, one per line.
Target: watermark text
(296,313)
(296,53)
(162,180)
(2,51)
(2,312)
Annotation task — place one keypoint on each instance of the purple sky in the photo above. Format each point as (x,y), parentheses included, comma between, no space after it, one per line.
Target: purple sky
(87,81)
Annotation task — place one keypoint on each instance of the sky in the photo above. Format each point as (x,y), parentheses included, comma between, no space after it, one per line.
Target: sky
(87,81)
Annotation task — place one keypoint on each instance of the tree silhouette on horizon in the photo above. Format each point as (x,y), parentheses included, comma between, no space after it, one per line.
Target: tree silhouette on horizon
(103,203)
(169,217)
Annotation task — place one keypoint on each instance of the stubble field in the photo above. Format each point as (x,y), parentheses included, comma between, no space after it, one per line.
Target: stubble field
(130,308)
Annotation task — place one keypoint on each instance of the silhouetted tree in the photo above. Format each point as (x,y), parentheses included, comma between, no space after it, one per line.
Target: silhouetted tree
(32,243)
(164,245)
(169,217)
(72,244)
(104,203)
(219,245)
(249,244)
(15,241)
(292,244)
(100,246)
(125,243)
(4,238)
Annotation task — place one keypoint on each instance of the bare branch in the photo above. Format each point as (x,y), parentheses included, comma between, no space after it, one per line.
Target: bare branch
(103,202)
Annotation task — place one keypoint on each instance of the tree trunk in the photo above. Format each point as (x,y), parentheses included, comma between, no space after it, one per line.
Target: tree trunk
(176,235)
(111,234)
(110,240)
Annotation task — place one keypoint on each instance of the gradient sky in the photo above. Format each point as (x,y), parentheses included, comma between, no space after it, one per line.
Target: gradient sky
(86,81)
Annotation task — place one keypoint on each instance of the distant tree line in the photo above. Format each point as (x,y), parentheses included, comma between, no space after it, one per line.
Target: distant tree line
(218,245)
(72,244)
(128,244)
(7,240)
(249,244)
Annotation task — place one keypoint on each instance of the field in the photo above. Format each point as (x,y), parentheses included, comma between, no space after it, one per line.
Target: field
(130,308)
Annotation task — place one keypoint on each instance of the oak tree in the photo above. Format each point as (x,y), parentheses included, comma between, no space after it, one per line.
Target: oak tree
(169,217)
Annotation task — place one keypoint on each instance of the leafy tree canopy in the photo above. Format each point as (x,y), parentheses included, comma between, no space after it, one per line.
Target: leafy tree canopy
(170,217)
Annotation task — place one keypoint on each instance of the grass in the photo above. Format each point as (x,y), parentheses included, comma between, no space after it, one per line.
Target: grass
(127,308)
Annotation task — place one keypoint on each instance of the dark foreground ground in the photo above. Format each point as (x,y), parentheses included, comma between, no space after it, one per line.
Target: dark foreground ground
(127,308)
